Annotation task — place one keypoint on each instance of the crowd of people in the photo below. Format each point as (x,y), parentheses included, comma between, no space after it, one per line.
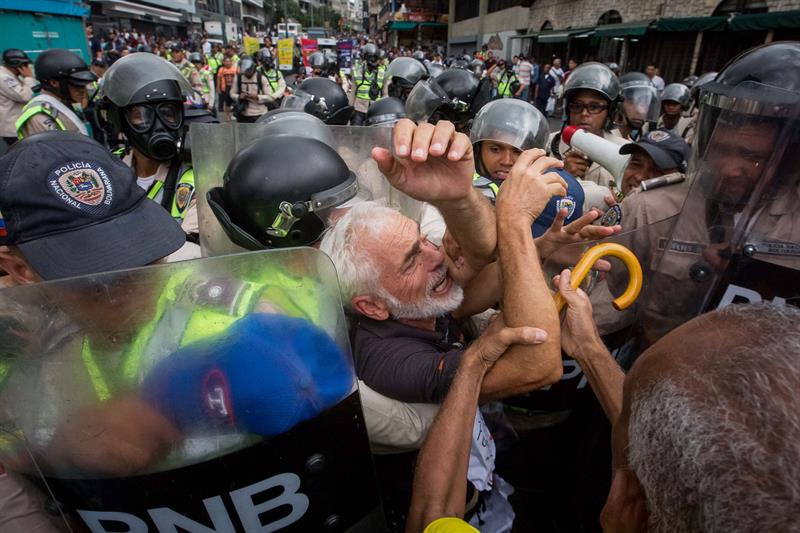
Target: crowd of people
(487,406)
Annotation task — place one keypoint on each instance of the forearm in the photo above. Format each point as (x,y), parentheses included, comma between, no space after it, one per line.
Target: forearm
(482,292)
(526,302)
(440,481)
(473,225)
(605,377)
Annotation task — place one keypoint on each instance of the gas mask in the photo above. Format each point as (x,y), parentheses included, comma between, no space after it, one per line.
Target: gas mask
(154,129)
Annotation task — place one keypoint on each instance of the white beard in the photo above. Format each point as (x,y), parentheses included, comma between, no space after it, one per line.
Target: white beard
(428,307)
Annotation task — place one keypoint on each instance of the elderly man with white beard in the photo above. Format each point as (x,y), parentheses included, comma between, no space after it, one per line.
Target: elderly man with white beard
(402,290)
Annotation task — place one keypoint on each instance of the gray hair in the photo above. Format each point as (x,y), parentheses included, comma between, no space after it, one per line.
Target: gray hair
(719,449)
(358,274)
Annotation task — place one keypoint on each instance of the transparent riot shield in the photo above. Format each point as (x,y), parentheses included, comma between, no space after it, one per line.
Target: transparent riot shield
(740,220)
(210,395)
(216,144)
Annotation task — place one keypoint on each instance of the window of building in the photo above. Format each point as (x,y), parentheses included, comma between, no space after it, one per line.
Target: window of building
(609,17)
(727,7)
(466,9)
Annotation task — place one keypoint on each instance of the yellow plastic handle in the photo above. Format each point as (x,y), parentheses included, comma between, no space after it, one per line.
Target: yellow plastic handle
(590,257)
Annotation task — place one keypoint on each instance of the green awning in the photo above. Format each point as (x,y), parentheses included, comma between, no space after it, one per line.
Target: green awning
(622,30)
(433,25)
(402,25)
(553,37)
(692,24)
(766,21)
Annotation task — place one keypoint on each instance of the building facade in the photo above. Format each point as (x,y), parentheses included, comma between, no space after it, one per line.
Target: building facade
(681,38)
(413,23)
(160,17)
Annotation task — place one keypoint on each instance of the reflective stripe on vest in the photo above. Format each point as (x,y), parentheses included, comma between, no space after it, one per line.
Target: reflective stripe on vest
(36,108)
(184,192)
(487,187)
(364,82)
(273,77)
(504,87)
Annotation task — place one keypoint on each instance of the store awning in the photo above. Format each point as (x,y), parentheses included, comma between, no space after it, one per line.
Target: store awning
(402,25)
(553,37)
(143,12)
(623,29)
(433,25)
(692,24)
(766,21)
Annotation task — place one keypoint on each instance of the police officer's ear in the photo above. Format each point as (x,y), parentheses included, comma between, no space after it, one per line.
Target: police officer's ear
(17,267)
(371,307)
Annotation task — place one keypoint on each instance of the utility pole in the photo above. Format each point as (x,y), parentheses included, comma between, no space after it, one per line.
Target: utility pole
(222,19)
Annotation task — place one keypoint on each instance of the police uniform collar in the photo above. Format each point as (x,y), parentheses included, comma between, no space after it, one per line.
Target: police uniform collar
(786,203)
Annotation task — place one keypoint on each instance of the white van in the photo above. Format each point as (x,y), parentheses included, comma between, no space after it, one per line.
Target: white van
(290,29)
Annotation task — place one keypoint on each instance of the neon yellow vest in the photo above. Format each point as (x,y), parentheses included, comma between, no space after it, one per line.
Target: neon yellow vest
(184,191)
(35,107)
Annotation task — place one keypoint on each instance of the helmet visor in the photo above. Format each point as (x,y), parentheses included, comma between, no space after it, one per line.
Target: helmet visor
(425,98)
(640,104)
(512,122)
(131,73)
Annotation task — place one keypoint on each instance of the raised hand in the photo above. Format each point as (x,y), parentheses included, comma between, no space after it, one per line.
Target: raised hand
(530,186)
(429,163)
(579,230)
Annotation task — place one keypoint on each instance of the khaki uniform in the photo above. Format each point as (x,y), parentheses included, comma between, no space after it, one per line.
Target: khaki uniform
(41,122)
(250,86)
(595,172)
(14,93)
(190,223)
(684,128)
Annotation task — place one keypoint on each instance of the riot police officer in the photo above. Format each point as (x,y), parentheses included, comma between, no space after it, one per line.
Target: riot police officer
(179,60)
(401,76)
(63,76)
(259,208)
(266,65)
(322,98)
(204,89)
(675,100)
(455,95)
(16,88)
(736,237)
(639,105)
(591,94)
(144,95)
(368,79)
(386,111)
(318,64)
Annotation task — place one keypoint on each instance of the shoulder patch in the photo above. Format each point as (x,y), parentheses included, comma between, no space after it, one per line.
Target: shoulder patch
(612,217)
(83,185)
(657,136)
(567,202)
(183,195)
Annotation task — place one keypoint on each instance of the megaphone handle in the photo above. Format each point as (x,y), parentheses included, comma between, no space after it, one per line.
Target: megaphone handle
(590,257)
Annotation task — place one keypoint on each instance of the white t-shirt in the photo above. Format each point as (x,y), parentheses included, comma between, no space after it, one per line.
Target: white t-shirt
(558,75)
(146,183)
(658,81)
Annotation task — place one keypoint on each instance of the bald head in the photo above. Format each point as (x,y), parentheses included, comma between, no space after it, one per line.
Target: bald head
(713,422)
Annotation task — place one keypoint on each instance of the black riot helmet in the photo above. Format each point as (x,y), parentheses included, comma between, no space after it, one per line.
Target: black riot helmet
(278,191)
(322,98)
(640,103)
(598,78)
(689,81)
(455,95)
(295,123)
(247,66)
(419,55)
(371,55)
(196,58)
(677,92)
(434,69)
(143,95)
(65,68)
(402,74)
(266,59)
(14,58)
(332,59)
(385,112)
(318,63)
(698,85)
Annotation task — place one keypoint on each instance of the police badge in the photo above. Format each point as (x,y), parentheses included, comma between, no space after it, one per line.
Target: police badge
(612,217)
(183,196)
(567,202)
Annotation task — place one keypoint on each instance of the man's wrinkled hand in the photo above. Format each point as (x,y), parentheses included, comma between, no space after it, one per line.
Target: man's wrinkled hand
(579,335)
(530,186)
(429,163)
(119,437)
(575,163)
(580,230)
(498,337)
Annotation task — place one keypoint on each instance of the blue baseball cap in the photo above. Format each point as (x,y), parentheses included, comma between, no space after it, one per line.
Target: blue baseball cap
(573,201)
(263,375)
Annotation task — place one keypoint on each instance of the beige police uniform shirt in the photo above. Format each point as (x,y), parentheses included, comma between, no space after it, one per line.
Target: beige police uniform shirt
(249,86)
(595,173)
(15,92)
(41,122)
(684,128)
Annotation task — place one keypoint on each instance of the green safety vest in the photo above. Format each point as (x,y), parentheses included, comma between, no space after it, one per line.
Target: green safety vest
(184,190)
(488,188)
(273,76)
(504,84)
(34,107)
(213,64)
(364,82)
(206,78)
